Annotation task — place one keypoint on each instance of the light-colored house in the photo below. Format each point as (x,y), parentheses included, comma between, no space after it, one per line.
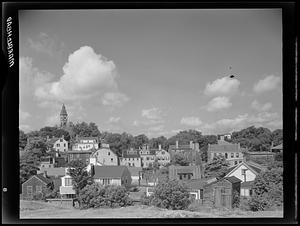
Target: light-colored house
(179,148)
(131,158)
(60,145)
(136,174)
(112,175)
(106,156)
(276,149)
(147,156)
(233,153)
(163,157)
(47,162)
(66,189)
(246,172)
(85,143)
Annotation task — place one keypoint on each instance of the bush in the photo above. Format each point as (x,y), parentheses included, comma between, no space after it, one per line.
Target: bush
(146,200)
(244,204)
(38,196)
(50,194)
(134,189)
(171,195)
(96,195)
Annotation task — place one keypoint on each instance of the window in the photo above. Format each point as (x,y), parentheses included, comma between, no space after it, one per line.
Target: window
(57,149)
(201,193)
(189,176)
(244,171)
(240,161)
(64,144)
(64,149)
(232,155)
(29,190)
(237,155)
(129,164)
(226,155)
(180,177)
(108,153)
(38,189)
(235,162)
(111,159)
(57,145)
(68,181)
(147,158)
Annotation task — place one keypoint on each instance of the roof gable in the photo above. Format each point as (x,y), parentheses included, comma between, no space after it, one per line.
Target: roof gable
(232,179)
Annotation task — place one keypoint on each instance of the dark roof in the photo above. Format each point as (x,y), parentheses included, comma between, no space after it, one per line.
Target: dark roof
(126,154)
(109,171)
(135,170)
(232,179)
(247,184)
(180,147)
(87,138)
(151,152)
(63,110)
(278,147)
(196,183)
(57,171)
(224,148)
(42,178)
(80,152)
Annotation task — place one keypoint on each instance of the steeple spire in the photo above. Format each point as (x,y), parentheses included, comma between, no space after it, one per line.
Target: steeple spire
(63,116)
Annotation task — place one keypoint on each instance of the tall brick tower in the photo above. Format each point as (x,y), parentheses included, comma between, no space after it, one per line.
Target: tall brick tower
(63,117)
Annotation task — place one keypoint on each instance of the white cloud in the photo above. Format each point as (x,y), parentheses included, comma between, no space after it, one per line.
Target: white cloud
(46,44)
(25,128)
(114,99)
(152,113)
(264,119)
(225,86)
(86,74)
(114,119)
(218,103)
(156,128)
(191,121)
(268,83)
(261,107)
(23,115)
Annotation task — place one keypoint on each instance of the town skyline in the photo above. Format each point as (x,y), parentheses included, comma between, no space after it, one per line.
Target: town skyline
(152,72)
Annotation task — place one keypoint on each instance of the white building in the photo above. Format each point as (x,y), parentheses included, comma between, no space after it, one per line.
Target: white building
(85,143)
(106,156)
(66,189)
(61,145)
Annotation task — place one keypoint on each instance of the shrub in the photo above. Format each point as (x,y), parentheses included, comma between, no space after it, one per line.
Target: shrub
(50,194)
(38,196)
(96,195)
(146,200)
(244,204)
(171,195)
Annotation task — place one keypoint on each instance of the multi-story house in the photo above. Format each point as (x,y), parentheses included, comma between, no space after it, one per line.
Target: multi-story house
(83,156)
(185,172)
(66,189)
(147,156)
(131,158)
(61,145)
(86,143)
(233,153)
(163,157)
(180,148)
(106,156)
(47,162)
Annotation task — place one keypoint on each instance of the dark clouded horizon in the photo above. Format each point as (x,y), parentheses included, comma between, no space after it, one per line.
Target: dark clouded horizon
(152,71)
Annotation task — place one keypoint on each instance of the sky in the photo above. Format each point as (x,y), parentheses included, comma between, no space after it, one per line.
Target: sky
(152,72)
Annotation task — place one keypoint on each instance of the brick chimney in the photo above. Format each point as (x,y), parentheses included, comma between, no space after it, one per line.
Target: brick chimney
(176,143)
(159,147)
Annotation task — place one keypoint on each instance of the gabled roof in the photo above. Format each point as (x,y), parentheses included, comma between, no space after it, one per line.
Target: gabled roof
(57,171)
(126,154)
(278,147)
(232,179)
(109,171)
(63,110)
(254,167)
(135,170)
(42,178)
(79,152)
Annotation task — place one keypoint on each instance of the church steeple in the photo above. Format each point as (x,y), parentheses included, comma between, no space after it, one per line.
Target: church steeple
(63,116)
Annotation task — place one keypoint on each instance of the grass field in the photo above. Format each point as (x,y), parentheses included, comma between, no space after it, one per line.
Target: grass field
(43,210)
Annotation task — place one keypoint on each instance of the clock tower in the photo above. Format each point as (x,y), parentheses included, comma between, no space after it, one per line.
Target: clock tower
(63,116)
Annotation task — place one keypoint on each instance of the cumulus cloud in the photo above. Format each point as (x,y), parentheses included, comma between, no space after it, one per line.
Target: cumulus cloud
(114,119)
(151,116)
(24,127)
(225,86)
(218,103)
(261,107)
(191,121)
(43,43)
(270,82)
(265,119)
(86,74)
(114,99)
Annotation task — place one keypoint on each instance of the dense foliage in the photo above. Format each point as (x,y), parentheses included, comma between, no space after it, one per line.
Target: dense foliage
(179,160)
(96,195)
(268,190)
(170,195)
(217,168)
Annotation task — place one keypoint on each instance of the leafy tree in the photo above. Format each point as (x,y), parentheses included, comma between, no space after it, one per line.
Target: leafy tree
(277,137)
(268,190)
(80,177)
(84,129)
(217,168)
(179,159)
(22,139)
(26,171)
(172,194)
(155,142)
(184,137)
(96,195)
(139,140)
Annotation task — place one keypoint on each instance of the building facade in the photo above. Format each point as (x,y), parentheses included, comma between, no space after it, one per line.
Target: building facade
(131,158)
(163,157)
(147,156)
(106,156)
(86,143)
(83,156)
(185,173)
(66,189)
(233,153)
(61,145)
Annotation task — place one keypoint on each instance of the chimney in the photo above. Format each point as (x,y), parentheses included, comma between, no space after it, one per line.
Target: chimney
(159,147)
(45,173)
(176,143)
(196,145)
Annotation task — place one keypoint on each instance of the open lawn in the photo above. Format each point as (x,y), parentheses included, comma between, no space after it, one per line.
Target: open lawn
(43,210)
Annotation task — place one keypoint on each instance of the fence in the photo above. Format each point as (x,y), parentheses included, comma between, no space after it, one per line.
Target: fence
(61,202)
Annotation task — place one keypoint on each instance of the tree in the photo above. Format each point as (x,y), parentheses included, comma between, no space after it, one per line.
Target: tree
(184,137)
(139,140)
(26,171)
(217,168)
(172,194)
(22,139)
(80,177)
(155,142)
(268,190)
(277,137)
(84,129)
(179,159)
